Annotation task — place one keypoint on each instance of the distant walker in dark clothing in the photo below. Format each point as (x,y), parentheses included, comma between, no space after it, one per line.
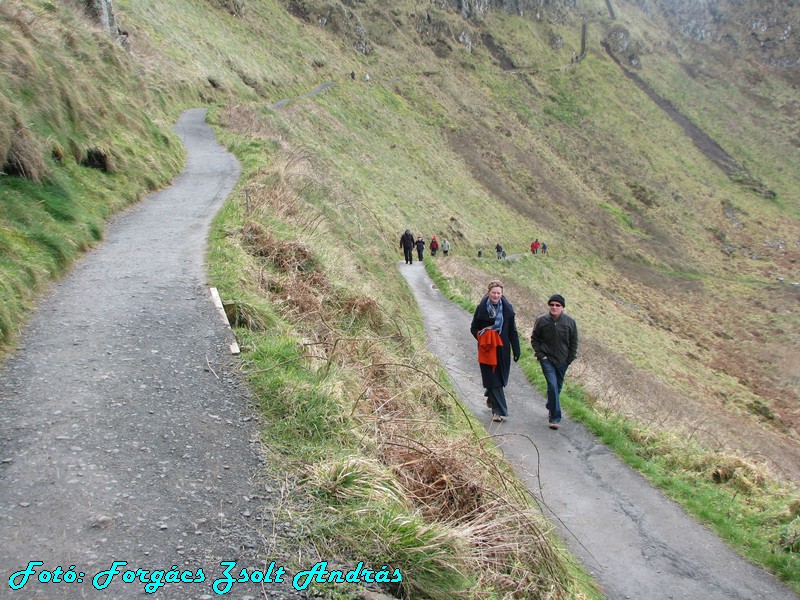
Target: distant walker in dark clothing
(407,244)
(495,315)
(555,344)
(420,243)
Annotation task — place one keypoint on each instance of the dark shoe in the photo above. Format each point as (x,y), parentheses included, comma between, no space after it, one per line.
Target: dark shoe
(552,425)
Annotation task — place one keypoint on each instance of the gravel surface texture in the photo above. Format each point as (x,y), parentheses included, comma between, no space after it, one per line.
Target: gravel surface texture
(634,541)
(125,432)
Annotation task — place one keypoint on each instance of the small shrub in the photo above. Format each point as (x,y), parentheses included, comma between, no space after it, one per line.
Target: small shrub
(789,537)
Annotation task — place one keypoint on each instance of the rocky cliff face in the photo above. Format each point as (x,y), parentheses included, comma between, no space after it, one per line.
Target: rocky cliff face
(765,30)
(103,12)
(533,8)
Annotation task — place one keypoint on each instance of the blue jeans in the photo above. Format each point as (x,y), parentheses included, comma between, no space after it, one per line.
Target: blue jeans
(554,374)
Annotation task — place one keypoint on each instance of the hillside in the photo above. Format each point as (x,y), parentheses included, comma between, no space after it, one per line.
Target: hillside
(657,156)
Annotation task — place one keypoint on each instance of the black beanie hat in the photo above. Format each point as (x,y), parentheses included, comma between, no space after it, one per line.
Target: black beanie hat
(557,298)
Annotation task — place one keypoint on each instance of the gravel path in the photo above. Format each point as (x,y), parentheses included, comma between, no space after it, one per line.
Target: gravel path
(634,541)
(125,434)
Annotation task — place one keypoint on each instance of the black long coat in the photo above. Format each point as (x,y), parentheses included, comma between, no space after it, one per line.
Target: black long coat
(480,320)
(407,240)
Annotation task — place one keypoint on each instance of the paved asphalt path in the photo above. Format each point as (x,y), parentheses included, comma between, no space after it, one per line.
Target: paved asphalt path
(125,432)
(635,542)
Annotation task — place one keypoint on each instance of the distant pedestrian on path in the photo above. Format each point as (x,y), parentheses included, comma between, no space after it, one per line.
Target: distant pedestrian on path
(555,344)
(499,249)
(495,328)
(445,246)
(434,246)
(535,246)
(544,248)
(480,252)
(407,244)
(420,243)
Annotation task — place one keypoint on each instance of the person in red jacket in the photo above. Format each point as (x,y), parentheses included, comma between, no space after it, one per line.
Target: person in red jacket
(434,246)
(535,246)
(494,317)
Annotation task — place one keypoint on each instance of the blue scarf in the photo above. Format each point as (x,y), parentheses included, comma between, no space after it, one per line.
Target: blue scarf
(496,313)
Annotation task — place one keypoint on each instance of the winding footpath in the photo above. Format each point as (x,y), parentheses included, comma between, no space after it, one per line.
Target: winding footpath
(125,433)
(635,542)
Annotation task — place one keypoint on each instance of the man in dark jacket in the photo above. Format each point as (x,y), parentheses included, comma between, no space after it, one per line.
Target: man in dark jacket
(407,244)
(555,344)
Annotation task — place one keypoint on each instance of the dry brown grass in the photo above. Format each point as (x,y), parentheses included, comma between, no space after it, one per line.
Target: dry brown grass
(24,156)
(461,483)
(436,475)
(244,120)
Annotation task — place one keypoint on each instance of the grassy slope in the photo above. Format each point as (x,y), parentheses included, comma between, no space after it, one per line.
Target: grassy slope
(635,217)
(65,89)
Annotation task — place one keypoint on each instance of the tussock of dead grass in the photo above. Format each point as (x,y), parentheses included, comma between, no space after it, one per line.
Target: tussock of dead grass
(479,530)
(463,484)
(25,154)
(286,269)
(736,471)
(439,477)
(249,317)
(285,256)
(355,478)
(506,541)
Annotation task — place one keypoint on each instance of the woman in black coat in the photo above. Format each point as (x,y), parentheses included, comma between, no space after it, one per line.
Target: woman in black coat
(420,247)
(495,312)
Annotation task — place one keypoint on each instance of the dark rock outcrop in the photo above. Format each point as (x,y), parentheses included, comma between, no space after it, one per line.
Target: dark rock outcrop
(102,11)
